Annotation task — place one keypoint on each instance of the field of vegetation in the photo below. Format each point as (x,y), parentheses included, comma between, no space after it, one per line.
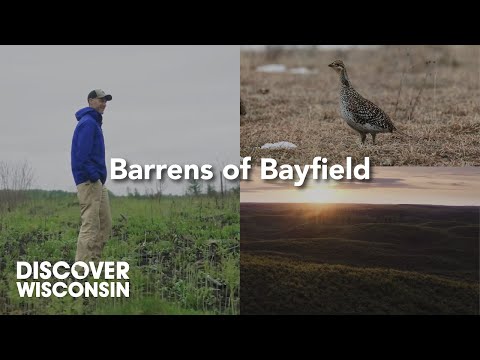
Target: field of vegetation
(183,252)
(359,259)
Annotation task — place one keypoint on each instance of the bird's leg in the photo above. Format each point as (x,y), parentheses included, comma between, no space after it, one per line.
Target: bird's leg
(363,136)
(373,138)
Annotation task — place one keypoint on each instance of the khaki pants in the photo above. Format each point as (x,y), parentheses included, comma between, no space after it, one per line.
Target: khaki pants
(96,221)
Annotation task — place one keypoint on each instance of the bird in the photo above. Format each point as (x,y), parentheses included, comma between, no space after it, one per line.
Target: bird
(359,113)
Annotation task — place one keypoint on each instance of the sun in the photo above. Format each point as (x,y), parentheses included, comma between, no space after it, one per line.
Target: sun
(317,192)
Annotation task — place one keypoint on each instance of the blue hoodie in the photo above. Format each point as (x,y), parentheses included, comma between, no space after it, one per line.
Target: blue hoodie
(88,147)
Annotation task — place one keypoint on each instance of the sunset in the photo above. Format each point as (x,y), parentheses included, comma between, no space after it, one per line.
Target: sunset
(403,242)
(389,185)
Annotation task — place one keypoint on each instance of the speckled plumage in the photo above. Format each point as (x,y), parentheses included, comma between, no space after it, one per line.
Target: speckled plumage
(360,114)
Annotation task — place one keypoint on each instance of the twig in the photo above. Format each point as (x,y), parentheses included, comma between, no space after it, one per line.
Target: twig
(419,93)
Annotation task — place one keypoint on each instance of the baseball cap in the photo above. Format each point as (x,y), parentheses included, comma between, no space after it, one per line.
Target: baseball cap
(98,94)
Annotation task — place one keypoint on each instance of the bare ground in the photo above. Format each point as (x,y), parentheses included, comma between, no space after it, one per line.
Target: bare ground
(432,93)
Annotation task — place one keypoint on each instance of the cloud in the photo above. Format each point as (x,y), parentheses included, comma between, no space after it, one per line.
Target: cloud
(446,184)
(391,183)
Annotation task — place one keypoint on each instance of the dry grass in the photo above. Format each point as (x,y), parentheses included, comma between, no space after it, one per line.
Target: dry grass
(432,93)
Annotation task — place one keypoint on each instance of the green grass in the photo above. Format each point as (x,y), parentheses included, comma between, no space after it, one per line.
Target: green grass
(182,251)
(147,306)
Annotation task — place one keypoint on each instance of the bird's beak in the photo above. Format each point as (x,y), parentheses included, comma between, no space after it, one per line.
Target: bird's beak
(330,65)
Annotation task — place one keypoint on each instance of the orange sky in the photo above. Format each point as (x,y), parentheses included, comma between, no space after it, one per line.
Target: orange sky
(388,185)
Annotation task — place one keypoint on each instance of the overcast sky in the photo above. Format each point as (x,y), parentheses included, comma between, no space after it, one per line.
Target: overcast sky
(171,104)
(388,185)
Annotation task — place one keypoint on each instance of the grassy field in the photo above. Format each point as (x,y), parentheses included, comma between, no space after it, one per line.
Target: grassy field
(359,259)
(183,253)
(430,92)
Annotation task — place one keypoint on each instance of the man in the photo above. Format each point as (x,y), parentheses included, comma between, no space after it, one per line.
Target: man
(90,173)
